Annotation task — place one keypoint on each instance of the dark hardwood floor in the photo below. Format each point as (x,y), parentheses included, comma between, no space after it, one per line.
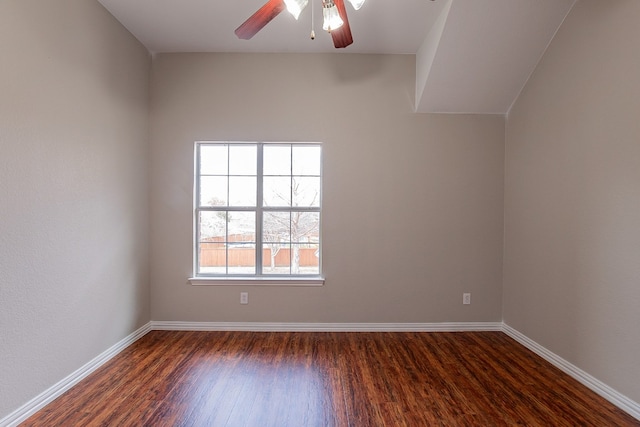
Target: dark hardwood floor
(328,379)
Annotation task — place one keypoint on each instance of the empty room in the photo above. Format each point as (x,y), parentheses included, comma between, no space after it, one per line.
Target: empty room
(319,213)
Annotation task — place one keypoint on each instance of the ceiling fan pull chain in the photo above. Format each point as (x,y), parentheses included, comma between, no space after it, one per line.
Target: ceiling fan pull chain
(313,32)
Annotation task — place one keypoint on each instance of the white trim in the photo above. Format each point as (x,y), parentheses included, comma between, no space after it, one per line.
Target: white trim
(618,399)
(326,327)
(259,208)
(257,281)
(53,392)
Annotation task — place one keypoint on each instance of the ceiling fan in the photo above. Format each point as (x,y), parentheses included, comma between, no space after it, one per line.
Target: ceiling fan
(334,12)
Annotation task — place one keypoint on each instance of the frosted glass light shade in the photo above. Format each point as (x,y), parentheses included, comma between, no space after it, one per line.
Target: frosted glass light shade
(357,4)
(332,20)
(295,7)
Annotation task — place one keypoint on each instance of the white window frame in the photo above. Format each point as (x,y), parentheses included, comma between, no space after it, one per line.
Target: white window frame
(259,277)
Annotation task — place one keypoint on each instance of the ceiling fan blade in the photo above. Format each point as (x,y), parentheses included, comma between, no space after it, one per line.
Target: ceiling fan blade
(342,36)
(258,20)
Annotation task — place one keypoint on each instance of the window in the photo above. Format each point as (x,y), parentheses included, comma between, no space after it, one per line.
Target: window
(257,209)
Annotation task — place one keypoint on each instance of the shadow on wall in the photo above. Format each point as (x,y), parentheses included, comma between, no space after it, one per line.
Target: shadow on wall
(67,50)
(347,70)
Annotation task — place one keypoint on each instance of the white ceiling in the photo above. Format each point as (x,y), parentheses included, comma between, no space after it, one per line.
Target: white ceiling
(473,56)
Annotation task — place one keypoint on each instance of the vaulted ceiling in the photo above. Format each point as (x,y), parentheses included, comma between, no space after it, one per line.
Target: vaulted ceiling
(472,56)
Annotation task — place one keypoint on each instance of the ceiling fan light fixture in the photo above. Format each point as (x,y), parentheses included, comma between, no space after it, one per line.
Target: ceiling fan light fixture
(295,7)
(332,19)
(357,4)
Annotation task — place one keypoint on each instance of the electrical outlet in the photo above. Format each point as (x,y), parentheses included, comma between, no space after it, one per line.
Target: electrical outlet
(244,297)
(466,298)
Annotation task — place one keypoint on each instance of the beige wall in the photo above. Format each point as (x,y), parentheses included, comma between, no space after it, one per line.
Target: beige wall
(73,190)
(572,200)
(412,203)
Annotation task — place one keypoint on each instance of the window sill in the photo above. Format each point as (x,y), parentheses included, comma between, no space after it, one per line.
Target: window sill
(257,281)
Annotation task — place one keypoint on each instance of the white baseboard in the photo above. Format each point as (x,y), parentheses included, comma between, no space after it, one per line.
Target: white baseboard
(49,395)
(326,327)
(618,399)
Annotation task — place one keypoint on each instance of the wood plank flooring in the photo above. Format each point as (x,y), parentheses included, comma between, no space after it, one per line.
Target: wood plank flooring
(225,379)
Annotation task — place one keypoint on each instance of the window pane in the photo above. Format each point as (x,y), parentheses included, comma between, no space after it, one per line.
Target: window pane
(305,227)
(242,259)
(276,191)
(212,249)
(213,260)
(306,192)
(276,160)
(306,160)
(305,259)
(213,227)
(277,258)
(213,191)
(242,227)
(242,191)
(213,159)
(242,160)
(276,227)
